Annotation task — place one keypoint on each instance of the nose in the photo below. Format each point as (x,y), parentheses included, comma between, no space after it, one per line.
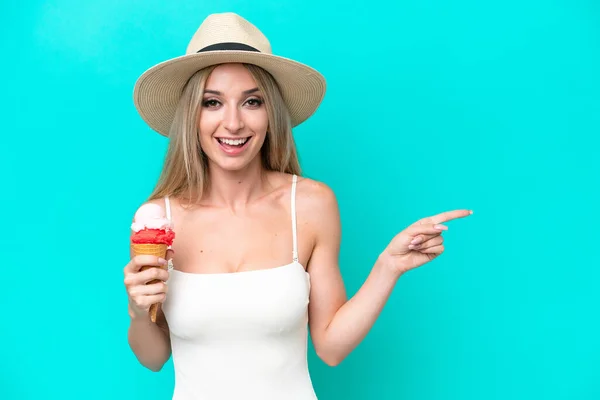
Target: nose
(232,120)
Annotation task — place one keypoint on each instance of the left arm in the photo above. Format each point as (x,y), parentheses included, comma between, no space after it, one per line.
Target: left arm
(338,325)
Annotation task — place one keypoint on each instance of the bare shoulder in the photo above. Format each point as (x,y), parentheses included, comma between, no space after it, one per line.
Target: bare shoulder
(315,196)
(311,195)
(317,207)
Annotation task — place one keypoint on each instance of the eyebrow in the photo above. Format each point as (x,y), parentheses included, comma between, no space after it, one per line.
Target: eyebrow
(249,91)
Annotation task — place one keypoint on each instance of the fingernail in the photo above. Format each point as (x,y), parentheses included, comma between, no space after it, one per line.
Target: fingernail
(162,260)
(416,240)
(441,227)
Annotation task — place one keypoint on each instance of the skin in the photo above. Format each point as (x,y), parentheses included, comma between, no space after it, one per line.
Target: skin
(244,196)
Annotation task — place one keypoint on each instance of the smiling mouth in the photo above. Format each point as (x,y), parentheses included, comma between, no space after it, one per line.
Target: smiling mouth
(233,142)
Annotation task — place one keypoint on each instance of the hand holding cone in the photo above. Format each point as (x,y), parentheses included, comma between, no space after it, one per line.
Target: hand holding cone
(152,235)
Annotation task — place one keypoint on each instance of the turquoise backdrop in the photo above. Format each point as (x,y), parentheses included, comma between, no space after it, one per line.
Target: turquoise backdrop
(432,105)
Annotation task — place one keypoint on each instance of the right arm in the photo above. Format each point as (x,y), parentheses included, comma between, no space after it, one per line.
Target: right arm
(149,341)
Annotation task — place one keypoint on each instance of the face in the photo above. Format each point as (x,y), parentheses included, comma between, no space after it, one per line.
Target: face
(233,118)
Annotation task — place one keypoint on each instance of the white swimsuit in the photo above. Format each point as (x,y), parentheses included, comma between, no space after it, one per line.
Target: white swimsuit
(241,335)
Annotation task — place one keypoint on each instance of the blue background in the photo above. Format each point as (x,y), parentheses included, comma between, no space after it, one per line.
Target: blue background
(431,106)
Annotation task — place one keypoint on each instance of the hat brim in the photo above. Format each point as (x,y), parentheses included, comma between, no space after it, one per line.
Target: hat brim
(157,91)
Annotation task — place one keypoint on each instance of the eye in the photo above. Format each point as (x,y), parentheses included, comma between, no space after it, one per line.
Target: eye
(211,103)
(254,102)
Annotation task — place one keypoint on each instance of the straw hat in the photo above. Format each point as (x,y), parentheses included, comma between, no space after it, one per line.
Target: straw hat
(225,38)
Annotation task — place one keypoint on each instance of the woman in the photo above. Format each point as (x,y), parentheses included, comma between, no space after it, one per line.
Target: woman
(256,249)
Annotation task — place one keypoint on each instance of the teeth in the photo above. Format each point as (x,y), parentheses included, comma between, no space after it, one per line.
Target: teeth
(234,142)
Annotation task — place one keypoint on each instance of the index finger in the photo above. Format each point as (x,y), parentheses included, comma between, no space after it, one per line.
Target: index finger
(444,217)
(449,216)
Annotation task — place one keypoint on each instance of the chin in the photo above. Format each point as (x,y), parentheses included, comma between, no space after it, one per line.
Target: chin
(234,164)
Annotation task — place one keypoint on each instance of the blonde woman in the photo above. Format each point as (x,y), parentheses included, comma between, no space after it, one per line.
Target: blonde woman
(255,258)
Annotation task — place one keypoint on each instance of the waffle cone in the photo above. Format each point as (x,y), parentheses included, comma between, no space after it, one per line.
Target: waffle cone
(152,249)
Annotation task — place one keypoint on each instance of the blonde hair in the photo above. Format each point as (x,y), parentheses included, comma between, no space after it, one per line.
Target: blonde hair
(185,169)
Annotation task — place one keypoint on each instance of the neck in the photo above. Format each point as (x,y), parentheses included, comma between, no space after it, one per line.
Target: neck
(236,189)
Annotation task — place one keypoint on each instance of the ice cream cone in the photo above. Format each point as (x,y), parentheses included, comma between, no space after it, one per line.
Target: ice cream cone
(152,234)
(153,249)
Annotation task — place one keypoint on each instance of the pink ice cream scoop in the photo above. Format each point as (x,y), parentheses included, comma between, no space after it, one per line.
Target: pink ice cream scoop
(150,216)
